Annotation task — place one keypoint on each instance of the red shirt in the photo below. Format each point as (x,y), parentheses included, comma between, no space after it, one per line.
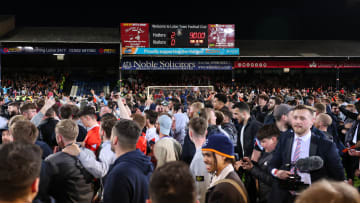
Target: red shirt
(92,140)
(142,144)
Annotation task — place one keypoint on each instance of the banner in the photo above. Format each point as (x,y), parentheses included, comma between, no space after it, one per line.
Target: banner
(134,34)
(175,65)
(182,51)
(54,50)
(296,64)
(221,35)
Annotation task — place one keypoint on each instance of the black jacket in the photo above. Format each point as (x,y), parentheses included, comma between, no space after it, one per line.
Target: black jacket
(68,183)
(188,148)
(260,113)
(230,128)
(351,133)
(250,132)
(261,172)
(47,131)
(269,118)
(82,134)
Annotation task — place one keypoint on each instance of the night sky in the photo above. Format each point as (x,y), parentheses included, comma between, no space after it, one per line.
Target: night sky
(254,19)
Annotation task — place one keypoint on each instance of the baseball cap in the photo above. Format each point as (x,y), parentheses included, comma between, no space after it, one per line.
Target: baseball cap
(282,109)
(165,123)
(220,144)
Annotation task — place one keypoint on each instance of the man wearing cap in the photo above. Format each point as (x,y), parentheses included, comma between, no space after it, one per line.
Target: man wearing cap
(225,186)
(282,120)
(167,148)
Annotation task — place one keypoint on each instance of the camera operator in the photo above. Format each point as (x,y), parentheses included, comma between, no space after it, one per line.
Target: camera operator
(268,136)
(301,144)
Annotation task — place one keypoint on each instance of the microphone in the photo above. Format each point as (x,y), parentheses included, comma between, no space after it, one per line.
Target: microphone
(310,163)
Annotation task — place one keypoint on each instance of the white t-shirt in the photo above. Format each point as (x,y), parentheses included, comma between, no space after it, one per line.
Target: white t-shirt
(151,134)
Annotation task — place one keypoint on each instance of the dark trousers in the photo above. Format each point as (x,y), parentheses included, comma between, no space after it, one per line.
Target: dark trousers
(249,183)
(350,164)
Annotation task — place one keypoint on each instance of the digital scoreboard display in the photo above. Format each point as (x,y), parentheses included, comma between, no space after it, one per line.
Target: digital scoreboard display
(178,36)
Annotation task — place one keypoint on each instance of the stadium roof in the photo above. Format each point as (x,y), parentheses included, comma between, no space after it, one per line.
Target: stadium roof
(63,35)
(299,48)
(248,48)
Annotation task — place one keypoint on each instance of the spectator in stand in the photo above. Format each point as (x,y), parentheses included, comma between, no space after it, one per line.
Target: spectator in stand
(166,187)
(19,172)
(128,178)
(69,111)
(88,118)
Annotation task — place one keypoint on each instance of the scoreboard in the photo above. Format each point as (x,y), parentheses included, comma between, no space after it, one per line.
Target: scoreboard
(145,35)
(178,36)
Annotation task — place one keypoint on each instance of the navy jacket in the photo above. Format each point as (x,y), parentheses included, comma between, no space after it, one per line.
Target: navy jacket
(128,179)
(45,147)
(319,147)
(332,169)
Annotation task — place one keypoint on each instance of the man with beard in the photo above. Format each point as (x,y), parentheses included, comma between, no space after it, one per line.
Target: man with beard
(13,109)
(69,180)
(261,109)
(282,120)
(273,102)
(302,143)
(247,126)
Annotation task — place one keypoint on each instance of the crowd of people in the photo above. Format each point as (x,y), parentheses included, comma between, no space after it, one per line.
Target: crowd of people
(230,144)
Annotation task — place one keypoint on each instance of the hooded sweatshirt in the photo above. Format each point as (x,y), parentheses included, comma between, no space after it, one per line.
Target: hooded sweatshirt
(128,178)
